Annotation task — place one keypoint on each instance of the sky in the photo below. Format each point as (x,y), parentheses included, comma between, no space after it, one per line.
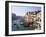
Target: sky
(21,10)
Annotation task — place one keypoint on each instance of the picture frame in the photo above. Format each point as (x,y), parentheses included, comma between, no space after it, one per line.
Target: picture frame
(21,10)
